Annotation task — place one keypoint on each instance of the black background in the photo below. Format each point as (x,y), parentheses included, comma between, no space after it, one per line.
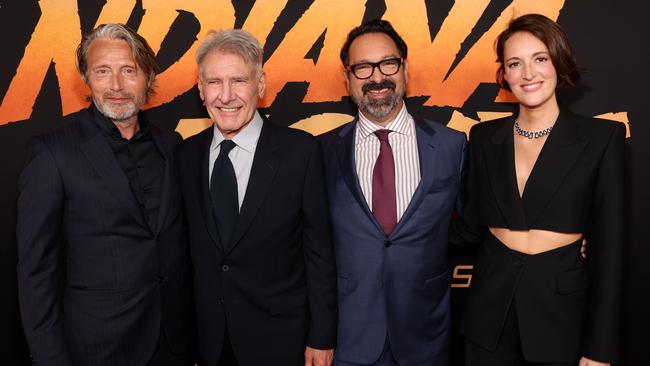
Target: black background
(610,38)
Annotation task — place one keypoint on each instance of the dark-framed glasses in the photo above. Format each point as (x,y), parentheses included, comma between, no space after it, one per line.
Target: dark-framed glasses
(364,70)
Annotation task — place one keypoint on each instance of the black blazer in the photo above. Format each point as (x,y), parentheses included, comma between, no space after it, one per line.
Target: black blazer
(95,283)
(274,283)
(575,186)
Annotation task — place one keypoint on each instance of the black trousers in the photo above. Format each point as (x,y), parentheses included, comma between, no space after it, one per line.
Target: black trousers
(164,356)
(508,351)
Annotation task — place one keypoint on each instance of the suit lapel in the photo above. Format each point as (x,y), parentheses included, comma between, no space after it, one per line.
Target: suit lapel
(426,154)
(345,155)
(202,162)
(263,170)
(101,157)
(165,189)
(557,158)
(499,158)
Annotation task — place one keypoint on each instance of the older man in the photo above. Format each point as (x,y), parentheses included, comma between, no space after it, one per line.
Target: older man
(103,266)
(393,180)
(254,195)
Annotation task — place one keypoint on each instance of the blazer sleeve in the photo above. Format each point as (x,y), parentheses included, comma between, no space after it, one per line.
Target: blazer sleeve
(318,251)
(465,230)
(41,268)
(604,252)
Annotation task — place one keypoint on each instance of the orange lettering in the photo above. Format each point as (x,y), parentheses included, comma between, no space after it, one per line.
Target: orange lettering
(430,61)
(54,39)
(288,63)
(159,15)
(478,65)
(58,25)
(458,275)
(262,17)
(211,15)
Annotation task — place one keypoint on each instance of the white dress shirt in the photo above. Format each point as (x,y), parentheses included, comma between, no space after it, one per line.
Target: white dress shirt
(404,144)
(241,155)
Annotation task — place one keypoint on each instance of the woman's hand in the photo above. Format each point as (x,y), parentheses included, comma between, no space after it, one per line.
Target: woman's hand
(587,362)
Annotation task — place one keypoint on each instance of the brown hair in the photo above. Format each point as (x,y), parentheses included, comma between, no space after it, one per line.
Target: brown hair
(553,36)
(143,55)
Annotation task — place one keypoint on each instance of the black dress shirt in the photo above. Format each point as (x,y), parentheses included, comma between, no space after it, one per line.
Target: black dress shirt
(141,162)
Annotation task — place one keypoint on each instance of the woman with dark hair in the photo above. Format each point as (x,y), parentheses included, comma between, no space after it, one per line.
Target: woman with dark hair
(539,182)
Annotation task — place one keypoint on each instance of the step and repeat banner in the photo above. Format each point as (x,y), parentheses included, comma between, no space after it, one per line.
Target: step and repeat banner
(451,80)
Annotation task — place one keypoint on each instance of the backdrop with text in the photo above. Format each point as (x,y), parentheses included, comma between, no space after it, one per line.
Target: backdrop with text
(451,80)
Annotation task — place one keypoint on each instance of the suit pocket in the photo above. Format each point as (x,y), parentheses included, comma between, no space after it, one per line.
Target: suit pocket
(437,284)
(278,307)
(345,285)
(572,281)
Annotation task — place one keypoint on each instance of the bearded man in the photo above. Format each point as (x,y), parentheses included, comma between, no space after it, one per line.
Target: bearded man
(393,180)
(104,276)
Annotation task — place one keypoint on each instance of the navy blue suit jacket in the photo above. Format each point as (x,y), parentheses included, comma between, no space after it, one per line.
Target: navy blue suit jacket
(396,285)
(95,283)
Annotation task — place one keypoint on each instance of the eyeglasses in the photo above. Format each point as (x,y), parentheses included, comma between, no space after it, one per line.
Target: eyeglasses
(365,70)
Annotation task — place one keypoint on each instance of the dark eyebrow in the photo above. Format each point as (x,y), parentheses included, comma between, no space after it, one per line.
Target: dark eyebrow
(366,61)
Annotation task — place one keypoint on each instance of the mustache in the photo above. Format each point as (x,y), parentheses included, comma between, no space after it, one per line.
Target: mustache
(119,95)
(385,84)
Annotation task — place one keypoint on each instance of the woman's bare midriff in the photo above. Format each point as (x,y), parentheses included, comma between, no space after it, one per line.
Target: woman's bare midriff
(533,241)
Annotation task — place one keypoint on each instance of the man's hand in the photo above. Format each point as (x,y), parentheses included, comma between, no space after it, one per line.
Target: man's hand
(318,357)
(587,362)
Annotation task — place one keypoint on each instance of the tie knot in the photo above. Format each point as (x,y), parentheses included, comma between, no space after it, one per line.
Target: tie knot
(226,146)
(382,135)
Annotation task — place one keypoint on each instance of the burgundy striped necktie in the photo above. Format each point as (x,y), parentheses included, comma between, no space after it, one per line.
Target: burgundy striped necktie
(384,205)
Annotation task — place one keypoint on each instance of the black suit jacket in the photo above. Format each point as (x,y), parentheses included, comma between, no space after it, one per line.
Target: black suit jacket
(274,283)
(575,186)
(95,283)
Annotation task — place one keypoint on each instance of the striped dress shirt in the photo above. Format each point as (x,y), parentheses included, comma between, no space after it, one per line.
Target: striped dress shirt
(404,144)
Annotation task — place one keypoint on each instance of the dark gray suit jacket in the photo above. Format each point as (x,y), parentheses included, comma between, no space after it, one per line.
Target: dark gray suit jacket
(95,283)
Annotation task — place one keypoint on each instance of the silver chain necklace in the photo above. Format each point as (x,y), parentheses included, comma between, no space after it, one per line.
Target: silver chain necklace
(532,134)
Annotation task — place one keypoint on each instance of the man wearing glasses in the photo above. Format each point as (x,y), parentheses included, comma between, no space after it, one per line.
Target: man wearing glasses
(393,181)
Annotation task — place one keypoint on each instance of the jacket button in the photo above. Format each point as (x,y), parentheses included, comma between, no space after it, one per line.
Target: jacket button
(518,263)
(225,268)
(387,244)
(161,279)
(220,302)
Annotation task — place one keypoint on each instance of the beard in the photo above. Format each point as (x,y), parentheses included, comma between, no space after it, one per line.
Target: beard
(119,112)
(378,108)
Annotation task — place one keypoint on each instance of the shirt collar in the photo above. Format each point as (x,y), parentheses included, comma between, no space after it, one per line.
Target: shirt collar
(109,128)
(400,124)
(246,138)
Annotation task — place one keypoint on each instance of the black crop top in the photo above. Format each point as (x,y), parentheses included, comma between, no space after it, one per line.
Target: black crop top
(576,185)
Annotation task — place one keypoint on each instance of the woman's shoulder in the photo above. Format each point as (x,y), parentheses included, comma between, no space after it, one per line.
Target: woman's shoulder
(488,128)
(595,127)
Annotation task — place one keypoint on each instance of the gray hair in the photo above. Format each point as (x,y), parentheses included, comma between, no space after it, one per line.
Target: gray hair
(233,41)
(143,55)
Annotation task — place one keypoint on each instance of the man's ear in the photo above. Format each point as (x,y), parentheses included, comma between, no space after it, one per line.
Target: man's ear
(200,86)
(346,77)
(406,72)
(261,84)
